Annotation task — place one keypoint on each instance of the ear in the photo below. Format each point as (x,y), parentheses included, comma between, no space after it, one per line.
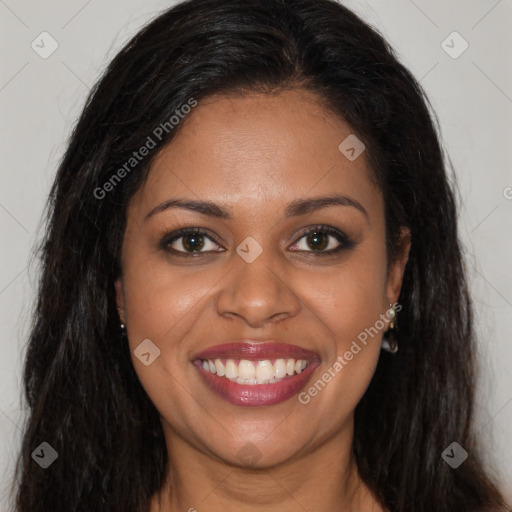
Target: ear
(397,268)
(120,298)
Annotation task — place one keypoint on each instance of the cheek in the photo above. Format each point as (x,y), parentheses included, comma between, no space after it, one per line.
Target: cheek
(349,302)
(350,297)
(163,306)
(159,301)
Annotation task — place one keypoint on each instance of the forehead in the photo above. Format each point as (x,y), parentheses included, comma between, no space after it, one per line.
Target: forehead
(258,149)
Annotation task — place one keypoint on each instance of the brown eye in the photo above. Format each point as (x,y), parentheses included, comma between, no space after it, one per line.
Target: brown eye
(193,242)
(189,241)
(318,241)
(323,240)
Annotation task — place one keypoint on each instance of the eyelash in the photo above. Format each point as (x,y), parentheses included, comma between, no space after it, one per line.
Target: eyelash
(344,241)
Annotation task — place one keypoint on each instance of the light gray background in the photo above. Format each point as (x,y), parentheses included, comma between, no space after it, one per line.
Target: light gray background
(472,95)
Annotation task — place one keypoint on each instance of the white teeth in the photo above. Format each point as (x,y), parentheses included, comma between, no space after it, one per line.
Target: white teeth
(219,367)
(280,368)
(264,370)
(246,369)
(246,381)
(231,369)
(255,372)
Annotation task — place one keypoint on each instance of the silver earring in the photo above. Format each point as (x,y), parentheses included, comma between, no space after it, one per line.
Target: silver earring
(391,314)
(389,344)
(122,325)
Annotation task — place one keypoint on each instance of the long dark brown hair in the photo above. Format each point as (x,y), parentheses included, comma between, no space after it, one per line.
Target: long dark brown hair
(83,394)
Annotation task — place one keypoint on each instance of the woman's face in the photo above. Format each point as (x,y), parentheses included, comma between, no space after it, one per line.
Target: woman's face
(256,275)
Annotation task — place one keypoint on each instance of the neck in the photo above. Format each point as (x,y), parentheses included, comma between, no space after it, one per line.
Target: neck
(323,478)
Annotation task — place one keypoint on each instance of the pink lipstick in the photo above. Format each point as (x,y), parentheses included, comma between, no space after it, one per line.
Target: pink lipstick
(249,373)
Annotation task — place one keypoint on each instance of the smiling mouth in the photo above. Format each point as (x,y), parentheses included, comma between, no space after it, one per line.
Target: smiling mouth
(249,372)
(264,388)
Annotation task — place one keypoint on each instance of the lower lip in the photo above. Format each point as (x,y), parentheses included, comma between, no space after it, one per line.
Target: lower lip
(258,394)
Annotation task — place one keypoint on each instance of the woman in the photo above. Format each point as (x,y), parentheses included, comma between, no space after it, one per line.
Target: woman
(252,293)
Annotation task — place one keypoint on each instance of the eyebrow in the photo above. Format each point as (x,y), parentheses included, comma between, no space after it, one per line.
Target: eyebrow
(294,209)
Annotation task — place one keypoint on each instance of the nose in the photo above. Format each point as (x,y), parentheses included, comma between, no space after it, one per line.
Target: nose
(258,292)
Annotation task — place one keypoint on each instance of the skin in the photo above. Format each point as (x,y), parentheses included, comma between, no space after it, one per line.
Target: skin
(254,154)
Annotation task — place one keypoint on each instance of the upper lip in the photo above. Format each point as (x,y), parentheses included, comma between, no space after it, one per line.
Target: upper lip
(256,351)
